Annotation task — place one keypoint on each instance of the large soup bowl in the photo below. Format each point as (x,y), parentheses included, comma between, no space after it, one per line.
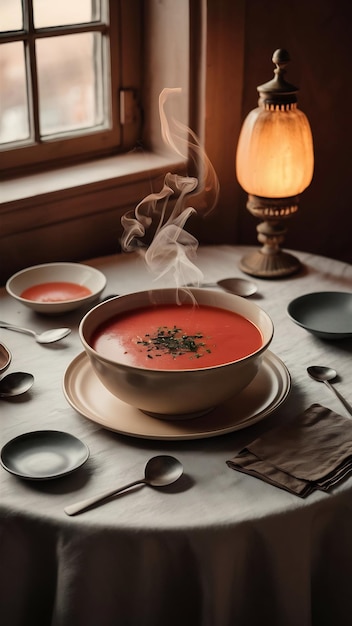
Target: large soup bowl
(175,394)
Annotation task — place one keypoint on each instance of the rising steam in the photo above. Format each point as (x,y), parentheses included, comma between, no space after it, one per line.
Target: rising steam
(172,249)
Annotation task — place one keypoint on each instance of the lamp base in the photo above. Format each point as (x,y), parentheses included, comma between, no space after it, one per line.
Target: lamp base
(265,265)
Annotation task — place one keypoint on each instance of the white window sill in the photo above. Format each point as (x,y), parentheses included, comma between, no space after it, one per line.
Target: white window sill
(111,170)
(55,196)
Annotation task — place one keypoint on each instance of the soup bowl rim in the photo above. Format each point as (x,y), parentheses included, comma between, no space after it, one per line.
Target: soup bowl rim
(169,372)
(174,393)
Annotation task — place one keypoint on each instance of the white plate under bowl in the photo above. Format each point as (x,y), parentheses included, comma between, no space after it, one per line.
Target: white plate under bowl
(87,395)
(43,454)
(83,275)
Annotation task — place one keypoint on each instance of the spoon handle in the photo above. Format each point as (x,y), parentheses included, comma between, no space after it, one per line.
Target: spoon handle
(347,406)
(78,507)
(201,285)
(19,329)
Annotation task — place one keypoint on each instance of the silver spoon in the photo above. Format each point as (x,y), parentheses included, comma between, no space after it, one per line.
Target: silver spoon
(324,375)
(237,286)
(48,336)
(159,471)
(15,384)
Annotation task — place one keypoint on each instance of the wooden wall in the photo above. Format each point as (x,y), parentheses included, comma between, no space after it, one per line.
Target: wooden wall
(317,34)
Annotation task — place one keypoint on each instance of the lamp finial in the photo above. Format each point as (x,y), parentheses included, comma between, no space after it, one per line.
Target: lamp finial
(278,91)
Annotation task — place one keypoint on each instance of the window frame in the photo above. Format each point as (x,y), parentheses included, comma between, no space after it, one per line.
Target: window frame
(62,149)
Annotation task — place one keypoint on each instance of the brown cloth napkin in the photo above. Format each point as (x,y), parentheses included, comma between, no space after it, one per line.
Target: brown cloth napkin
(313,451)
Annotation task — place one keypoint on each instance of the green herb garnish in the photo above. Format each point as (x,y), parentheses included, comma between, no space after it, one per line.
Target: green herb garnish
(173,341)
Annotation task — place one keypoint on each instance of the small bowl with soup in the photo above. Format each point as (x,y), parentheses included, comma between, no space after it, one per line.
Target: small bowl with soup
(176,354)
(54,288)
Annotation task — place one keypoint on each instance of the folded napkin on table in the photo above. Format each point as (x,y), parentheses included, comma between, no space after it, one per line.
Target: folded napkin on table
(313,451)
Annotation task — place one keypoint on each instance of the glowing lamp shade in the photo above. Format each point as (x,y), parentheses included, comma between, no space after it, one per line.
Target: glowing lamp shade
(274,165)
(274,154)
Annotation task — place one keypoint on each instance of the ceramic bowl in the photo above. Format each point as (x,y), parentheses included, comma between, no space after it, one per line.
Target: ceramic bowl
(325,314)
(174,394)
(5,358)
(77,273)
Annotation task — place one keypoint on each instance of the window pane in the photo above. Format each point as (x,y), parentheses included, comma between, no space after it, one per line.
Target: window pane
(14,124)
(11,15)
(63,12)
(69,80)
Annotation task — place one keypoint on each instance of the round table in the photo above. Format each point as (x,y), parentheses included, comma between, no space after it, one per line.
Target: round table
(218,547)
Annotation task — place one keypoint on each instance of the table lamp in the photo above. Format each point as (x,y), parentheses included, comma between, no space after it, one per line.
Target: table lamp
(274,165)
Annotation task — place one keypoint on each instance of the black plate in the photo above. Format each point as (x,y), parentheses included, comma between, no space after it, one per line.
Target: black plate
(326,314)
(43,454)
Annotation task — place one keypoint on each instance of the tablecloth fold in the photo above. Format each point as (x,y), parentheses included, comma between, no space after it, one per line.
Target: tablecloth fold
(312,451)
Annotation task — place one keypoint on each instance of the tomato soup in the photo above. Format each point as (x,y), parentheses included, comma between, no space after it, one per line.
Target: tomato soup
(55,292)
(177,337)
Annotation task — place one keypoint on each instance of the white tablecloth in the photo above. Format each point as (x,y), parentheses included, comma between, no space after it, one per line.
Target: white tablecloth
(216,549)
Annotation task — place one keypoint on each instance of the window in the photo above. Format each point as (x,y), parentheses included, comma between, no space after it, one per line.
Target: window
(70,208)
(60,66)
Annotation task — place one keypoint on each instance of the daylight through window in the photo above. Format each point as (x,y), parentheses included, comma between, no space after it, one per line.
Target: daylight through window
(58,76)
